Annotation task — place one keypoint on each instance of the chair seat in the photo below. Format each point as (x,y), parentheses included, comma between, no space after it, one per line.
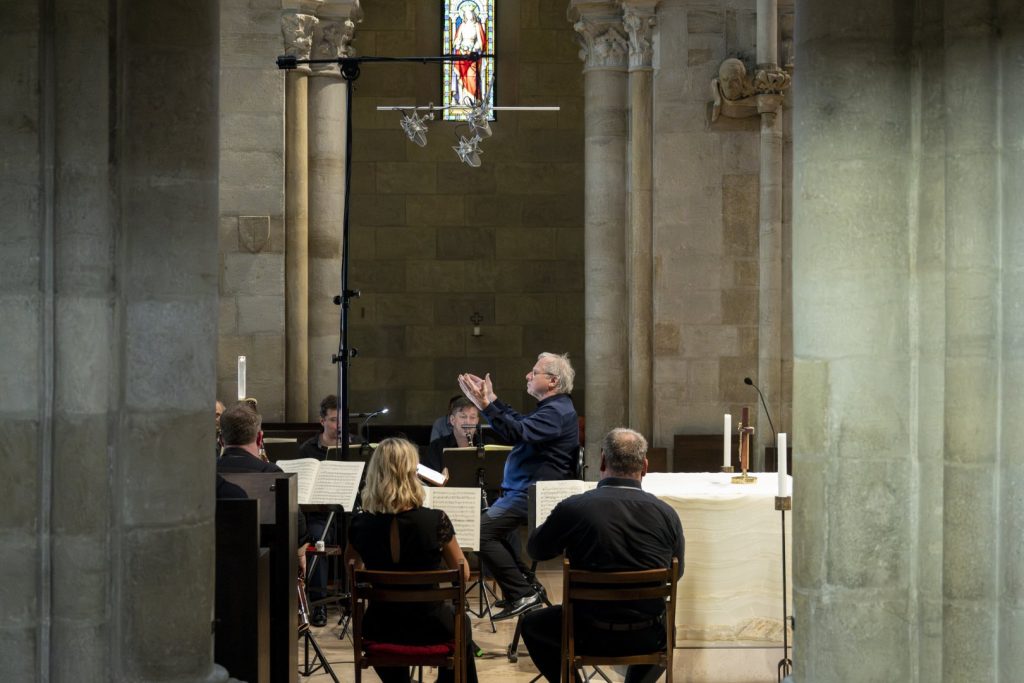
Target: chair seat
(400,650)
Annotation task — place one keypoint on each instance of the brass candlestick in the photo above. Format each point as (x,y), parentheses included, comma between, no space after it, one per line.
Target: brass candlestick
(745,431)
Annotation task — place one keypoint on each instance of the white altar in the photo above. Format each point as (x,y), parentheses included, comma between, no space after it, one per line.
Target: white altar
(731,591)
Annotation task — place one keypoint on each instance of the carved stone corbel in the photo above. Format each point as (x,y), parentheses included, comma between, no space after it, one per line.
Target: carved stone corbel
(333,34)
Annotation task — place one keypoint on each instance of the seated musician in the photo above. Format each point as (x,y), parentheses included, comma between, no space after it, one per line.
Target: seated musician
(442,426)
(464,419)
(316,447)
(242,437)
(615,527)
(394,532)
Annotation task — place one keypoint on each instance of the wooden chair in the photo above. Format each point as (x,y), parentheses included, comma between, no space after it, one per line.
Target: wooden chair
(649,584)
(443,585)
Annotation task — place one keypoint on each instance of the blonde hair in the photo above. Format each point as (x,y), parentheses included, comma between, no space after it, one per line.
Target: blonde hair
(391,482)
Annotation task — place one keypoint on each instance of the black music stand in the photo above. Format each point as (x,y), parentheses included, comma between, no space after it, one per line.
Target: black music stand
(476,467)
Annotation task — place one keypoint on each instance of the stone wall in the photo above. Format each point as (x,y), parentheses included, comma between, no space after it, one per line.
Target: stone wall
(706,211)
(434,241)
(251,253)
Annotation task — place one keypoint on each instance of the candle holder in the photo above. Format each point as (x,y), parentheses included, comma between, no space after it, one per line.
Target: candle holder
(728,469)
(746,431)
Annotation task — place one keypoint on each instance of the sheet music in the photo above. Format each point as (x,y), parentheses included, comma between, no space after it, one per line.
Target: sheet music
(430,475)
(551,493)
(337,483)
(305,472)
(327,482)
(462,505)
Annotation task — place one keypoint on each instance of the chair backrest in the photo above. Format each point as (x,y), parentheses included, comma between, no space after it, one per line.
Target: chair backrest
(441,585)
(646,584)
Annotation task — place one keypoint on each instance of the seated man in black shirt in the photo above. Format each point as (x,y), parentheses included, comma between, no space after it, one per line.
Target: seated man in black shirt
(316,447)
(615,527)
(464,419)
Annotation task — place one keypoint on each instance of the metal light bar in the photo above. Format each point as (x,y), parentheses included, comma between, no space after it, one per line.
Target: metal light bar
(413,107)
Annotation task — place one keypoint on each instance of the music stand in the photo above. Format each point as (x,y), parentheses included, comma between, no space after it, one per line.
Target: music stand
(480,467)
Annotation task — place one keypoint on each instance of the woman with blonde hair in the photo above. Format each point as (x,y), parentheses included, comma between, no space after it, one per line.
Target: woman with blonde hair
(394,532)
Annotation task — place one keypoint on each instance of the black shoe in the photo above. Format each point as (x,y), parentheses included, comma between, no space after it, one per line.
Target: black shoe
(527,603)
(500,604)
(319,617)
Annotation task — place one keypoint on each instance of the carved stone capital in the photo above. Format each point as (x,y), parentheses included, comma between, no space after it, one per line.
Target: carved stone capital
(333,34)
(771,80)
(603,44)
(297,32)
(639,22)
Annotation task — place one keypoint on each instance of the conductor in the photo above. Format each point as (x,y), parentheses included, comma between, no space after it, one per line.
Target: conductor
(545,446)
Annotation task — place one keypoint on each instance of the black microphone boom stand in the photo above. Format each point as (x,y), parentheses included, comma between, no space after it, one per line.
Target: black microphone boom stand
(758,464)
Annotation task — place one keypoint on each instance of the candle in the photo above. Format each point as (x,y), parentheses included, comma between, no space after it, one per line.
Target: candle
(727,441)
(241,378)
(783,467)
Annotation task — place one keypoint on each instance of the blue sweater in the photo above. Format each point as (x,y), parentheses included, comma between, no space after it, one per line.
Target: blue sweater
(546,441)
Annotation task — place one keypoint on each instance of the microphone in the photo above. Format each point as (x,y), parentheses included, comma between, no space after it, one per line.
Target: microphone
(747,380)
(369,416)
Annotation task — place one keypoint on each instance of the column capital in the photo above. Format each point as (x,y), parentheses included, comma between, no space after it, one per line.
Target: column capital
(297,32)
(638,19)
(770,80)
(333,33)
(603,42)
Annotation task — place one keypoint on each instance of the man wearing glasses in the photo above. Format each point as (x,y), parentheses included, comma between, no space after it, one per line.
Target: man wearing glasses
(545,446)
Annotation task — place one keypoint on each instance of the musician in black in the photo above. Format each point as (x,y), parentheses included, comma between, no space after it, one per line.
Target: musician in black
(616,527)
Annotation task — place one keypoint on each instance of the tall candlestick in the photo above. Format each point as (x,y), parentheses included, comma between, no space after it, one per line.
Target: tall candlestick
(241,378)
(727,441)
(783,467)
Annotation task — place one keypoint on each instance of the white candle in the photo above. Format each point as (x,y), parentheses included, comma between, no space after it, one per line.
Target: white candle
(783,467)
(241,378)
(727,441)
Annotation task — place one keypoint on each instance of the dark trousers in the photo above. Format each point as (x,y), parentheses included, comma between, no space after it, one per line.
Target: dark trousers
(499,543)
(542,634)
(316,582)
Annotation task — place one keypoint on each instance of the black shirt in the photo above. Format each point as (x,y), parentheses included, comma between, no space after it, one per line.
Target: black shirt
(235,459)
(311,448)
(616,527)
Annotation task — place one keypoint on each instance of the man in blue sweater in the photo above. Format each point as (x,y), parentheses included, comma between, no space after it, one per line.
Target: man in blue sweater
(545,446)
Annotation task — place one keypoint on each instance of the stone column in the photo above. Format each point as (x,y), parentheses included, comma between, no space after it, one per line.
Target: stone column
(108,264)
(638,21)
(327,112)
(604,52)
(297,31)
(1011,412)
(908,271)
(854,541)
(769,83)
(971,512)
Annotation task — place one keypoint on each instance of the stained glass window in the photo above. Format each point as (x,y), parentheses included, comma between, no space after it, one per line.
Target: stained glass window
(468,28)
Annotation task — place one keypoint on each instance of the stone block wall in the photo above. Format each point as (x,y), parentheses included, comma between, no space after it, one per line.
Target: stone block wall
(251,236)
(706,212)
(434,241)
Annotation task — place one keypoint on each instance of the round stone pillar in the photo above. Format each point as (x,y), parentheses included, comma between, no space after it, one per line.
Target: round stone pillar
(109,303)
(328,100)
(604,51)
(854,491)
(297,31)
(639,21)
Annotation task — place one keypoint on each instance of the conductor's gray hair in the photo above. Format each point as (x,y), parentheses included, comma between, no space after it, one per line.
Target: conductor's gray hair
(624,451)
(560,367)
